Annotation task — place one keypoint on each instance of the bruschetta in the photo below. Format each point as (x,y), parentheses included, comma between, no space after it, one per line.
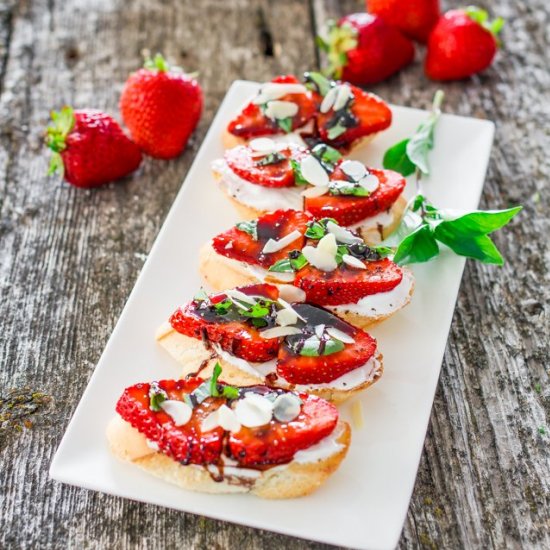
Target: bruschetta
(316,261)
(259,338)
(204,435)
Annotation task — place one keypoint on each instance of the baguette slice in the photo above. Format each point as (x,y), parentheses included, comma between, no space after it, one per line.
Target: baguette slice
(220,273)
(195,359)
(291,480)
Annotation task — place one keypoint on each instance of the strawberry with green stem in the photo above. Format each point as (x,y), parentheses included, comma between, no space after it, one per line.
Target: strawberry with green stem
(89,148)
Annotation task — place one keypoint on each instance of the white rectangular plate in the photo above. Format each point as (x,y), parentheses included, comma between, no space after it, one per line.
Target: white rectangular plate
(364,504)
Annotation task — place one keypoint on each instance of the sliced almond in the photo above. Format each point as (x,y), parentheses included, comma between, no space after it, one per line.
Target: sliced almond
(315,191)
(241,296)
(291,293)
(275,90)
(253,410)
(342,234)
(340,335)
(313,172)
(278,110)
(328,244)
(286,305)
(263,145)
(319,258)
(210,422)
(228,419)
(179,411)
(352,261)
(286,317)
(344,93)
(354,169)
(273,245)
(287,407)
(329,99)
(370,183)
(319,329)
(279,332)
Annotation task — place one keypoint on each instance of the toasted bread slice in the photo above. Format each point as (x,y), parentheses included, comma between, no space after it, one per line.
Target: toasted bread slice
(195,359)
(221,273)
(291,480)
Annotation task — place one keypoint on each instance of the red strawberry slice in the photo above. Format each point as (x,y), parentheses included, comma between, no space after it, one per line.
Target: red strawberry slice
(241,246)
(347,285)
(251,122)
(348,210)
(300,369)
(234,336)
(186,444)
(277,443)
(373,115)
(251,167)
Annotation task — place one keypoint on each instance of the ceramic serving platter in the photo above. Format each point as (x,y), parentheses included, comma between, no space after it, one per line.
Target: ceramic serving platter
(363,505)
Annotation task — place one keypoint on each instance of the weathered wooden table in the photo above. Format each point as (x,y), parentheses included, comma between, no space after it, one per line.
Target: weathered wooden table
(69,258)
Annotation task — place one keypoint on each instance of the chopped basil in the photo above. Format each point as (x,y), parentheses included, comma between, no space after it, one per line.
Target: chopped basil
(285,124)
(314,347)
(223,307)
(347,189)
(327,156)
(213,382)
(282,266)
(336,131)
(316,230)
(297,260)
(333,346)
(156,397)
(271,158)
(318,82)
(258,310)
(230,392)
(298,177)
(250,227)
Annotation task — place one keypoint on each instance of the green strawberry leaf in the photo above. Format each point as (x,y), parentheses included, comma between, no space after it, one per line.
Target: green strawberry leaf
(158,63)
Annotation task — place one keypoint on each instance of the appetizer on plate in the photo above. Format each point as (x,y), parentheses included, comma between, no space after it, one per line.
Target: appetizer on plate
(336,113)
(268,175)
(317,261)
(210,437)
(259,338)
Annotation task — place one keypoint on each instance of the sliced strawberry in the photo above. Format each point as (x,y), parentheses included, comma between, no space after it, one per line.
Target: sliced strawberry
(277,443)
(186,444)
(348,210)
(347,285)
(252,168)
(234,336)
(251,122)
(240,245)
(300,369)
(372,113)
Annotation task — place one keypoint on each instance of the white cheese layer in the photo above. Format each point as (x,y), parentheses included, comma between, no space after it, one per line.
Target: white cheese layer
(350,380)
(382,303)
(254,195)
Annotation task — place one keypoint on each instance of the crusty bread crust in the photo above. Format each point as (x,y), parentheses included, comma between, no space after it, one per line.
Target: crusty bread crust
(288,481)
(220,274)
(191,354)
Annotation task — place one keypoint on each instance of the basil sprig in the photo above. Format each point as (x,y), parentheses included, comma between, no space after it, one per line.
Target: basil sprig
(295,261)
(211,388)
(411,154)
(250,227)
(156,396)
(467,234)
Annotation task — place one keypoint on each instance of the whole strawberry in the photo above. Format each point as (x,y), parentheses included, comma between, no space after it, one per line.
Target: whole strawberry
(414,18)
(364,49)
(462,43)
(89,147)
(161,107)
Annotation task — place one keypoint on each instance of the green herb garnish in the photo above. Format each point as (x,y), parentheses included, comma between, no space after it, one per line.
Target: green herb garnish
(336,131)
(156,397)
(271,158)
(327,156)
(318,82)
(298,177)
(250,227)
(347,189)
(285,124)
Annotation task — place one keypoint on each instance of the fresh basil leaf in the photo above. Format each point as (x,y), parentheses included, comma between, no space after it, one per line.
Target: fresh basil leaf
(340,251)
(333,346)
(156,397)
(223,307)
(396,158)
(311,347)
(477,223)
(255,311)
(230,392)
(480,248)
(250,227)
(319,82)
(259,323)
(337,130)
(298,177)
(419,246)
(347,189)
(271,158)
(285,124)
(298,262)
(326,155)
(383,251)
(213,382)
(282,266)
(316,230)
(200,296)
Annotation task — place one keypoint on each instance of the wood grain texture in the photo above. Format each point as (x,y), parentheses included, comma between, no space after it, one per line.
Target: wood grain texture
(69,258)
